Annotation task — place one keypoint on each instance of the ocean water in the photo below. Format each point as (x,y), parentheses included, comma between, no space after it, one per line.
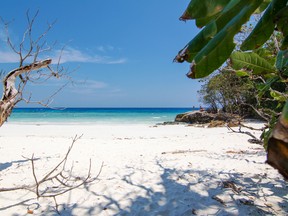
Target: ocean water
(95,115)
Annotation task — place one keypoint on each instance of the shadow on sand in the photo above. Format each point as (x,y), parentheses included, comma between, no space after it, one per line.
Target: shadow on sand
(196,192)
(190,192)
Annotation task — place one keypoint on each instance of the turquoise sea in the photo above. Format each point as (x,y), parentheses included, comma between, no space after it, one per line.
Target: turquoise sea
(95,115)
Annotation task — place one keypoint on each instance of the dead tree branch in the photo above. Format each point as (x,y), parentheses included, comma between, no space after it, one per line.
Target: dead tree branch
(253,140)
(12,95)
(58,180)
(32,69)
(252,128)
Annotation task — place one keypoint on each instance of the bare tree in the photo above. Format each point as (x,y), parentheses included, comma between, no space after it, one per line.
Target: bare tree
(34,70)
(31,67)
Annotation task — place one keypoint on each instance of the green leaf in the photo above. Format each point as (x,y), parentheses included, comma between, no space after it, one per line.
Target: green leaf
(281,20)
(284,45)
(267,54)
(242,73)
(264,87)
(284,114)
(200,22)
(263,6)
(282,60)
(203,8)
(225,14)
(264,52)
(201,40)
(211,31)
(215,53)
(252,61)
(278,95)
(265,26)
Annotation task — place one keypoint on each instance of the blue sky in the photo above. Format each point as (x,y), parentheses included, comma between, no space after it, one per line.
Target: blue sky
(122,49)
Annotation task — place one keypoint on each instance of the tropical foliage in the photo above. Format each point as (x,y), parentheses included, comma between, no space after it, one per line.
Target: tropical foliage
(228,92)
(220,21)
(241,87)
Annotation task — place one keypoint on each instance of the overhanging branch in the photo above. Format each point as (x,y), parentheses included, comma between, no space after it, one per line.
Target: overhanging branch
(11,95)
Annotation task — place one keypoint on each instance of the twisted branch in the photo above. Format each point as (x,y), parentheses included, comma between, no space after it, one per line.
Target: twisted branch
(62,181)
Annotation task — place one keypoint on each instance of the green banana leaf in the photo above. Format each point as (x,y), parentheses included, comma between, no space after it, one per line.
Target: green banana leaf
(281,20)
(263,6)
(203,8)
(199,41)
(200,22)
(203,37)
(214,44)
(252,61)
(215,53)
(265,26)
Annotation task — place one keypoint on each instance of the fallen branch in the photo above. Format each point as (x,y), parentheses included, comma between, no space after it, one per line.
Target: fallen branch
(253,140)
(62,180)
(252,128)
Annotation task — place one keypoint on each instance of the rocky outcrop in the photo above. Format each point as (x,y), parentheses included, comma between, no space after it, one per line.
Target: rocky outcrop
(195,117)
(203,117)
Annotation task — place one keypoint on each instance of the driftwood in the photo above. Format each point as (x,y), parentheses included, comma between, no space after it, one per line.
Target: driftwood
(12,95)
(59,179)
(254,139)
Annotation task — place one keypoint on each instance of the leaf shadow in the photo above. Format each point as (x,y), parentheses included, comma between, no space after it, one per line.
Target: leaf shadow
(199,192)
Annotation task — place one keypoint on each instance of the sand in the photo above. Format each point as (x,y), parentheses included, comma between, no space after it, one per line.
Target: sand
(146,170)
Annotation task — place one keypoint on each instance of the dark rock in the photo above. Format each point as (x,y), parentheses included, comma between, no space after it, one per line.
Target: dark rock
(221,117)
(171,123)
(196,117)
(216,123)
(203,117)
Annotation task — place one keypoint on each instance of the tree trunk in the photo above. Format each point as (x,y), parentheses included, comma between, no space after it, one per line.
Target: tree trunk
(11,95)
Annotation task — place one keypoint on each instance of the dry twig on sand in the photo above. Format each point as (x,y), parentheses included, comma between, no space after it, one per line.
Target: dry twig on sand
(253,140)
(57,181)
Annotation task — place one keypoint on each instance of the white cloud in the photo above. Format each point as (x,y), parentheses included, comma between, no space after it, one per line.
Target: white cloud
(108,48)
(3,36)
(67,55)
(8,57)
(73,55)
(93,88)
(101,48)
(93,84)
(87,86)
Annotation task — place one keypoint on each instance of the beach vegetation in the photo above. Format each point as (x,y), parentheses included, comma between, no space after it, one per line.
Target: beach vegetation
(242,88)
(228,92)
(252,59)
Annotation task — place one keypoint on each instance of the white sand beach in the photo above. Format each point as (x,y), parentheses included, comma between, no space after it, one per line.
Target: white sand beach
(165,170)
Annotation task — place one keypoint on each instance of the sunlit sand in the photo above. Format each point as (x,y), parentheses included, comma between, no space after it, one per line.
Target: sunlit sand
(147,170)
